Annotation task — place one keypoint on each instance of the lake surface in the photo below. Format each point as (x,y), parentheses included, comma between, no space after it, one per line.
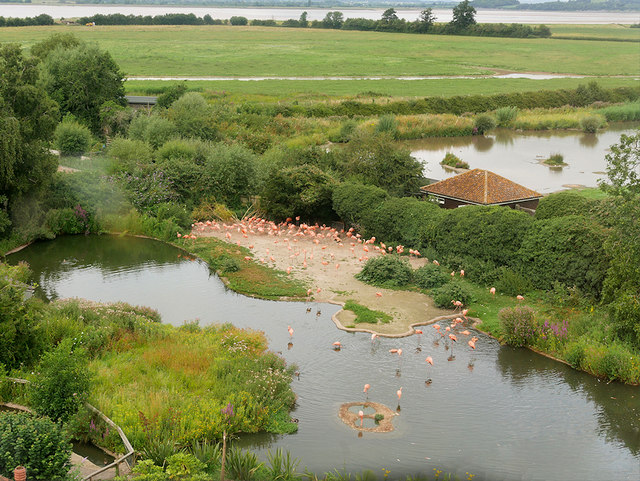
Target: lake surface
(442,15)
(496,412)
(517,155)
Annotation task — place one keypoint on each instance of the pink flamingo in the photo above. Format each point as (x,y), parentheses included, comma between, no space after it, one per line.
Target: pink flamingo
(337,346)
(399,394)
(361,414)
(290,329)
(429,360)
(492,291)
(366,388)
(519,297)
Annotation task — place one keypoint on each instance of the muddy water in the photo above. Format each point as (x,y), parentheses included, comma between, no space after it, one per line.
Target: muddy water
(517,155)
(496,412)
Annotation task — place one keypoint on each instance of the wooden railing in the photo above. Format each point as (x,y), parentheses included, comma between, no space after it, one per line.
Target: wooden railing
(127,445)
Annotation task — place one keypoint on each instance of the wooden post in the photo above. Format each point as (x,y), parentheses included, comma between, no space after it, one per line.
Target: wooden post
(224,454)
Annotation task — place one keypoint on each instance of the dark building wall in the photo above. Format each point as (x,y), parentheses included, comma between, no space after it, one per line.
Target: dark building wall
(453,204)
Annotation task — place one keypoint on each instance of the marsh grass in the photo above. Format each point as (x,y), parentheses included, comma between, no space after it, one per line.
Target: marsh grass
(366,315)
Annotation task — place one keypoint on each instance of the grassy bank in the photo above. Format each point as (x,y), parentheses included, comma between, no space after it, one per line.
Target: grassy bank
(259,51)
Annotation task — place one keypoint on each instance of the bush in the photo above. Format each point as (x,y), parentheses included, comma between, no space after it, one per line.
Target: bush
(242,465)
(36,443)
(183,466)
(152,129)
(591,123)
(407,221)
(484,123)
(352,200)
(128,154)
(238,20)
(454,290)
(388,124)
(488,233)
(174,212)
(193,117)
(575,354)
(518,326)
(386,270)
(170,95)
(229,174)
(430,276)
(561,204)
(72,138)
(512,283)
(70,221)
(63,381)
(506,115)
(566,249)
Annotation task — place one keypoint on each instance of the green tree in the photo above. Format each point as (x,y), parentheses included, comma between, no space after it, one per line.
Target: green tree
(333,20)
(303,22)
(81,79)
(28,118)
(622,284)
(389,15)
(426,20)
(464,15)
(62,383)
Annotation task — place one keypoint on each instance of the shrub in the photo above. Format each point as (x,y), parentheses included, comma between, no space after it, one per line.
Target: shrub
(170,95)
(36,443)
(128,154)
(388,124)
(484,123)
(407,221)
(229,173)
(561,204)
(183,465)
(430,276)
(193,117)
(506,115)
(518,326)
(174,212)
(63,381)
(352,200)
(389,270)
(488,233)
(566,249)
(614,363)
(152,129)
(208,454)
(238,20)
(454,290)
(591,123)
(70,221)
(512,283)
(72,138)
(555,159)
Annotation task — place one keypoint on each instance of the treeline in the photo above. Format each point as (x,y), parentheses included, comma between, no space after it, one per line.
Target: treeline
(43,19)
(582,5)
(582,96)
(166,19)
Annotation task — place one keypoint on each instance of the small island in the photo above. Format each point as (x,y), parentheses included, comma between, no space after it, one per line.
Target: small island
(555,161)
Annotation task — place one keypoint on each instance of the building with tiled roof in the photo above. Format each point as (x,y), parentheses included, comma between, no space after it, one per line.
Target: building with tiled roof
(481,187)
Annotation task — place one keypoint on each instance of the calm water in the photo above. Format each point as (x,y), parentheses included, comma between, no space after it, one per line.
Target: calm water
(517,155)
(497,412)
(442,15)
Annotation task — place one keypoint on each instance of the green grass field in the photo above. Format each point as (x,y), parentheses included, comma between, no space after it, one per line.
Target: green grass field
(611,31)
(259,51)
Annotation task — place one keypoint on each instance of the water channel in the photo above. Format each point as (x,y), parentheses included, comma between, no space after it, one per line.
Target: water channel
(497,412)
(517,155)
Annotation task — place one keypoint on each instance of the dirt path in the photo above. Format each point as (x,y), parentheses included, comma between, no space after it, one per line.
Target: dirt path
(316,257)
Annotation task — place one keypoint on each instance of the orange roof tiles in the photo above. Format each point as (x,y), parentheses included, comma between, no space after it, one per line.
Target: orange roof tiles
(481,187)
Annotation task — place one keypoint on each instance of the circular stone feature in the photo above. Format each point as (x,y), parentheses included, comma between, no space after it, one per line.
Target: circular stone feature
(349,415)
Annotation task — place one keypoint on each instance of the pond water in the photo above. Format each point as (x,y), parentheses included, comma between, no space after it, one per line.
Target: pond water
(275,13)
(517,155)
(497,412)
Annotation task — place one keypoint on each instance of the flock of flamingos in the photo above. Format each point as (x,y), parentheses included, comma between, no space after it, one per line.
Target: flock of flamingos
(323,237)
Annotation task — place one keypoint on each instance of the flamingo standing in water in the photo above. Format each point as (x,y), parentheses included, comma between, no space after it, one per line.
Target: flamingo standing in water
(429,360)
(290,329)
(361,414)
(337,346)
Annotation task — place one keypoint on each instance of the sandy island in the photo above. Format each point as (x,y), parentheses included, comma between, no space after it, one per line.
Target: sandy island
(320,260)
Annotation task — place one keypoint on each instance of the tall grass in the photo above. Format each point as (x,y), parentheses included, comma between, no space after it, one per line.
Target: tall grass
(621,113)
(564,118)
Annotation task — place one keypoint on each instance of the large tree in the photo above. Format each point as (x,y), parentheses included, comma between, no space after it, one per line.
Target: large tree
(28,118)
(81,78)
(464,15)
(622,285)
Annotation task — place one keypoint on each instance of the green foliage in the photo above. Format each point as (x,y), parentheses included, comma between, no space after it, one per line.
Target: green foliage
(157,450)
(489,233)
(242,465)
(72,138)
(513,283)
(115,118)
(378,417)
(19,318)
(364,315)
(175,213)
(454,290)
(407,221)
(453,160)
(388,125)
(518,325)
(506,115)
(591,123)
(564,203)
(183,466)
(57,40)
(305,191)
(36,443)
(81,79)
(129,154)
(152,129)
(463,16)
(430,276)
(238,20)
(173,93)
(621,113)
(367,155)
(484,123)
(208,453)
(282,467)
(567,249)
(70,221)
(193,117)
(63,382)
(386,270)
(555,159)
(352,200)
(230,174)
